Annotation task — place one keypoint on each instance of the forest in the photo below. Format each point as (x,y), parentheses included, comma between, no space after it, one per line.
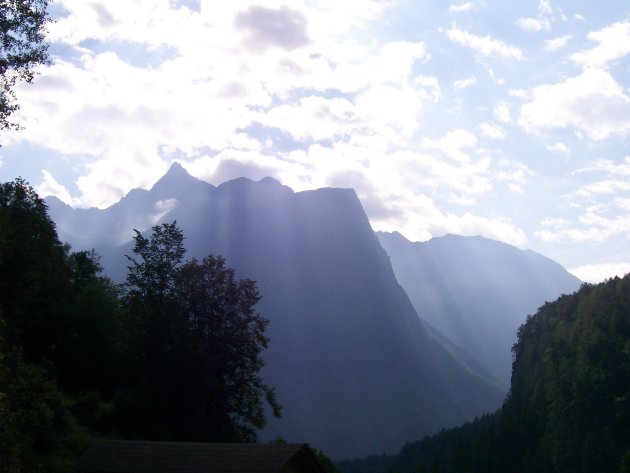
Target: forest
(173,353)
(568,409)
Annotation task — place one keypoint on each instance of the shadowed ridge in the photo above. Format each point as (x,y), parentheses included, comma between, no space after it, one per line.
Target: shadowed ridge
(265,186)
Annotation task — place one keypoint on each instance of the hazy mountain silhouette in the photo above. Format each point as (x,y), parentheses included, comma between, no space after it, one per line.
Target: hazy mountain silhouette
(476,291)
(354,366)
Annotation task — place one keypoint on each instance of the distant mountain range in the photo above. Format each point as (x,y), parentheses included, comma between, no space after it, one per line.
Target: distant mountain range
(476,291)
(357,370)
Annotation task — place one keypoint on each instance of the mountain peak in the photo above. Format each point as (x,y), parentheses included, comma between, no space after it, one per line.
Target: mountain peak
(176,171)
(176,178)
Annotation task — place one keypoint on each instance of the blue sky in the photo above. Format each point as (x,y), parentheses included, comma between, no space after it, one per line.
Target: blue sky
(509,120)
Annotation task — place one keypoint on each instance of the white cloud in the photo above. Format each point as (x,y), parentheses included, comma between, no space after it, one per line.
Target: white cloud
(607,186)
(614,43)
(484,45)
(501,229)
(461,7)
(492,131)
(502,113)
(533,24)
(453,144)
(559,147)
(544,7)
(49,186)
(556,44)
(464,83)
(514,174)
(604,203)
(162,208)
(423,220)
(555,223)
(609,167)
(593,103)
(596,273)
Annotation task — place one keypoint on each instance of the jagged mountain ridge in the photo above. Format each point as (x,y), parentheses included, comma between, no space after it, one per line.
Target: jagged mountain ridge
(476,291)
(354,366)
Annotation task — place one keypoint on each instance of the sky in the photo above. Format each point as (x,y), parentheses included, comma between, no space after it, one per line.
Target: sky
(509,120)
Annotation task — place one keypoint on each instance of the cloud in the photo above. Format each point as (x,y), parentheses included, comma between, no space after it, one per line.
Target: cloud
(453,144)
(559,147)
(614,43)
(556,44)
(461,7)
(604,203)
(596,273)
(502,113)
(464,83)
(162,208)
(268,27)
(544,7)
(423,220)
(492,131)
(607,186)
(608,166)
(514,174)
(556,223)
(592,102)
(50,187)
(484,45)
(533,24)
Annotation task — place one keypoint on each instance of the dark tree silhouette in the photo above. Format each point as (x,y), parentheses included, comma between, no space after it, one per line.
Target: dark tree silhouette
(195,344)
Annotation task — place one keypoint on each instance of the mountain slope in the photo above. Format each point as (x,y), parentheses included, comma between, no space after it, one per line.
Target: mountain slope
(353,365)
(476,291)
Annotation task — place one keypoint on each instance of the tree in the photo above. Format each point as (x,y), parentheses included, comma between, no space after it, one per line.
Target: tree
(33,272)
(229,337)
(22,47)
(195,343)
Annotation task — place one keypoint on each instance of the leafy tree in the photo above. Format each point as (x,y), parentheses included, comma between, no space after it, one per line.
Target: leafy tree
(33,273)
(86,357)
(42,287)
(228,337)
(22,47)
(195,343)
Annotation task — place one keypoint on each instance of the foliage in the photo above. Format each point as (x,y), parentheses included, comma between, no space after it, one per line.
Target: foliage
(199,342)
(22,47)
(569,405)
(327,464)
(33,277)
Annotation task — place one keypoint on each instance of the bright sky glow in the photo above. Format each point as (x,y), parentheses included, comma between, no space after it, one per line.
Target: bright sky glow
(509,120)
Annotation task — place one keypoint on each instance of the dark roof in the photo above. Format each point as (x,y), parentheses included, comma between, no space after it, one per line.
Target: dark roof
(127,456)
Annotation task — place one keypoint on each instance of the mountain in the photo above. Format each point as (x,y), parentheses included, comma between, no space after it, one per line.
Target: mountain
(476,291)
(355,368)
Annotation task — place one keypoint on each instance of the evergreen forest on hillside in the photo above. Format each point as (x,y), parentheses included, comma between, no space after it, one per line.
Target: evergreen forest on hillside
(568,409)
(171,354)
